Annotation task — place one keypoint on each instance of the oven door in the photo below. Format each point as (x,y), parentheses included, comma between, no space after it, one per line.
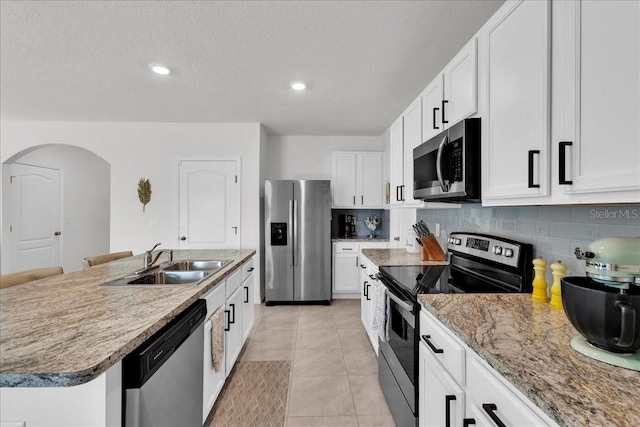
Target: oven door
(403,334)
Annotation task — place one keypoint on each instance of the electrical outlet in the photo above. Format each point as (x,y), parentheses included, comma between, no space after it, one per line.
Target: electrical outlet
(437,229)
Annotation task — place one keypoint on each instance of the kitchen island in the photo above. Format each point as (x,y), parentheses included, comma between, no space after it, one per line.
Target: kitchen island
(528,344)
(67,330)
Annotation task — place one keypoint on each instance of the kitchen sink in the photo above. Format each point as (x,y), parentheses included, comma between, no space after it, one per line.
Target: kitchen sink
(195,266)
(161,278)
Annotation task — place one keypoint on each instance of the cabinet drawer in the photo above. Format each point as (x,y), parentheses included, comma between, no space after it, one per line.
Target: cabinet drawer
(347,248)
(233,282)
(443,346)
(215,298)
(490,395)
(247,269)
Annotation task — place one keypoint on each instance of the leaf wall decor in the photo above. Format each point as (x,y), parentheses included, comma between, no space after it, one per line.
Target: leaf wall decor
(144,192)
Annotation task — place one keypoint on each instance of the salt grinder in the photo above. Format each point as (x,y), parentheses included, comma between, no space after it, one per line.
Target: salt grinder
(539,292)
(559,270)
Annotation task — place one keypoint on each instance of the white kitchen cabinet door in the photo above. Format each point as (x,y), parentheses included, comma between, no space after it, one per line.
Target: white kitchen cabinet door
(212,381)
(461,84)
(432,98)
(598,64)
(233,334)
(373,302)
(516,129)
(369,180)
(345,273)
(343,179)
(412,138)
(365,286)
(396,154)
(441,399)
(247,301)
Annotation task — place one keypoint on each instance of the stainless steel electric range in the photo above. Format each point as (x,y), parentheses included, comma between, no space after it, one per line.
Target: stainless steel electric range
(479,263)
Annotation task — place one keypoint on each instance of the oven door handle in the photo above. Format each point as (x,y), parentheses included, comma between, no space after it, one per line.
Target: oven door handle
(398,301)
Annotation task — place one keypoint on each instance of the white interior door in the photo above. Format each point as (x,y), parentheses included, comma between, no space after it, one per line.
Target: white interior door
(35,217)
(209,204)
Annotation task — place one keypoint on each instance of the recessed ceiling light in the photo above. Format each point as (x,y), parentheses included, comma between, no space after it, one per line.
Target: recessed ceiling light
(298,86)
(163,70)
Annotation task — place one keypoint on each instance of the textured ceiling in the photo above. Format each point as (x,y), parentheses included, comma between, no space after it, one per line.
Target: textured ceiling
(363,61)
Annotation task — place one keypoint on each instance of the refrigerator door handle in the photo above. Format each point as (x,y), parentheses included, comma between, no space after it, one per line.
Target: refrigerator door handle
(295,233)
(291,234)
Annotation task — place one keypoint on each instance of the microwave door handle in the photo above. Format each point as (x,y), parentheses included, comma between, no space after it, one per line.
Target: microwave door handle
(445,187)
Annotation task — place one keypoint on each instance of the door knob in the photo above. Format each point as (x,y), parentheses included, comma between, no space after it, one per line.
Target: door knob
(183,238)
(57,233)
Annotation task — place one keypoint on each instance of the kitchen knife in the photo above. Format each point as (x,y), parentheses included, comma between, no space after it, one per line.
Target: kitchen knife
(424,225)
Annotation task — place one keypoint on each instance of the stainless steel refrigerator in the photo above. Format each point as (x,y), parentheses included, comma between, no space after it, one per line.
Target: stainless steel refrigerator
(297,242)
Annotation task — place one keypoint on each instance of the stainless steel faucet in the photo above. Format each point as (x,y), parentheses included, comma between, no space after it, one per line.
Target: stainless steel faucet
(148,256)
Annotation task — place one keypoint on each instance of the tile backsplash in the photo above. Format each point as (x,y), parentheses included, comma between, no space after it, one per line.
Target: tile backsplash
(362,232)
(554,231)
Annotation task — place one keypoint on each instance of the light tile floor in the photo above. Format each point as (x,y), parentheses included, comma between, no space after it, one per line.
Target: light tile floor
(334,375)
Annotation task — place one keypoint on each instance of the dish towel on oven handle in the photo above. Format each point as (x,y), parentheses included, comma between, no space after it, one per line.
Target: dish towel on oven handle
(380,324)
(217,338)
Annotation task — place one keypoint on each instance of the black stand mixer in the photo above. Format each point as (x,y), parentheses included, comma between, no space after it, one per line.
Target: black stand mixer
(605,306)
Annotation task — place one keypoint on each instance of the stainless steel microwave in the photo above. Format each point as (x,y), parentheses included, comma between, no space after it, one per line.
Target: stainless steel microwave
(446,168)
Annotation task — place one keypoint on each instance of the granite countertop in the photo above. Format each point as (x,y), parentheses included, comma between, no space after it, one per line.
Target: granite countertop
(66,330)
(359,240)
(394,257)
(528,343)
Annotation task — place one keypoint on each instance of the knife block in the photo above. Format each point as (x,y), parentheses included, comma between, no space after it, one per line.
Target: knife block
(431,250)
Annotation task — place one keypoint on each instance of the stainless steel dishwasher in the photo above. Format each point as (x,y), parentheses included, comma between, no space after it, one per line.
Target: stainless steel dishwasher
(162,378)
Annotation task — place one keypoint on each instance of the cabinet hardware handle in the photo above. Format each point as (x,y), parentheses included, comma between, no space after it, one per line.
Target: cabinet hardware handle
(246,296)
(233,316)
(363,266)
(362,199)
(562,163)
(250,270)
(531,154)
(357,261)
(447,409)
(228,327)
(364,289)
(435,112)
(368,286)
(489,408)
(444,101)
(398,193)
(347,249)
(354,200)
(466,422)
(235,230)
(402,193)
(397,238)
(430,344)
(183,238)
(57,233)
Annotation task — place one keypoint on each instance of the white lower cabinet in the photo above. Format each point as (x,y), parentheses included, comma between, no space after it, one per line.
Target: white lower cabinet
(369,285)
(212,381)
(458,388)
(247,302)
(233,312)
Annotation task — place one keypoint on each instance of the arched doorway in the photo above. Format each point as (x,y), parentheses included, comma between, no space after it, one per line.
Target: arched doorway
(82,207)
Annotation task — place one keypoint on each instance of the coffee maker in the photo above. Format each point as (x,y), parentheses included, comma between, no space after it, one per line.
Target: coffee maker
(347,225)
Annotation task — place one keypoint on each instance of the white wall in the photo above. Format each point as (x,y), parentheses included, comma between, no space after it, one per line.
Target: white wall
(85,187)
(309,157)
(149,150)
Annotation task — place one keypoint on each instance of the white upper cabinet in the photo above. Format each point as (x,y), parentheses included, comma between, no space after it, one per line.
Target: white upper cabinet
(596,131)
(356,179)
(412,138)
(396,155)
(453,94)
(577,140)
(515,121)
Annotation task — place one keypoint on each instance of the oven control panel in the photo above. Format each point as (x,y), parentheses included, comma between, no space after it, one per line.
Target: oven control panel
(486,247)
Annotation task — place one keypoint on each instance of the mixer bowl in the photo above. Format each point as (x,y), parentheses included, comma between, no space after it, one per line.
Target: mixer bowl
(605,317)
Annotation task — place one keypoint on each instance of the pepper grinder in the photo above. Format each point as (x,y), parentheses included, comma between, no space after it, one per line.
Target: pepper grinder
(539,292)
(559,270)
